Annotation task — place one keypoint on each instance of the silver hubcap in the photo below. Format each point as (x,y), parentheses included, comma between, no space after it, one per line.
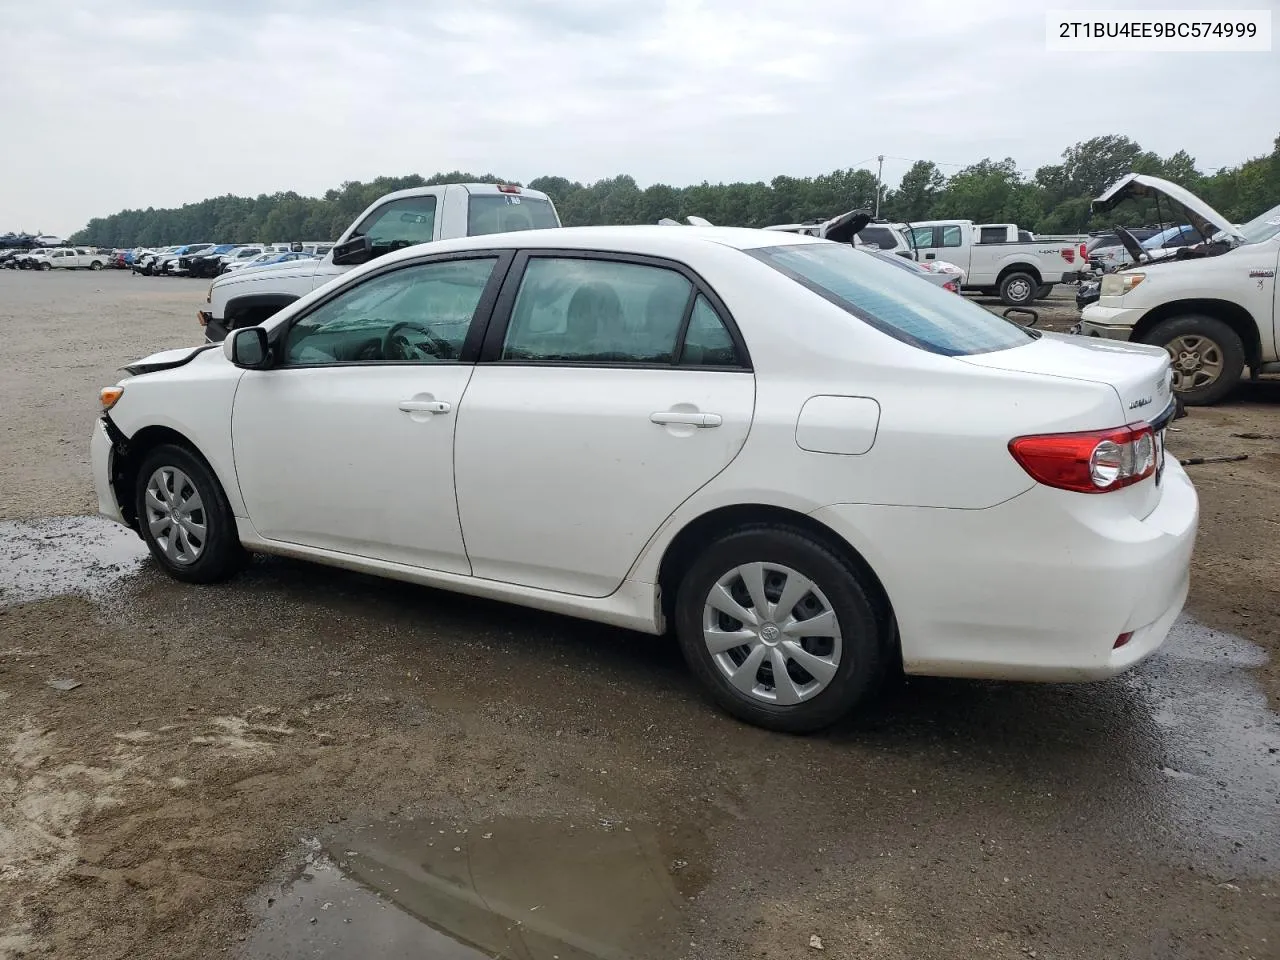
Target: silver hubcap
(175,515)
(1197,361)
(772,633)
(1019,290)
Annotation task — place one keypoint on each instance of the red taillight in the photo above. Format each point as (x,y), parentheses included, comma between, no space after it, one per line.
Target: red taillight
(1122,640)
(507,188)
(1084,253)
(1098,461)
(1068,255)
(952,286)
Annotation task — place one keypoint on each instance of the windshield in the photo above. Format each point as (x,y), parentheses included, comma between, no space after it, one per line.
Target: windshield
(920,314)
(1262,227)
(507,212)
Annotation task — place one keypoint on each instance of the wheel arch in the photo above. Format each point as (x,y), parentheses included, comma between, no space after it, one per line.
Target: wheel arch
(131,451)
(255,308)
(1232,314)
(682,549)
(1028,268)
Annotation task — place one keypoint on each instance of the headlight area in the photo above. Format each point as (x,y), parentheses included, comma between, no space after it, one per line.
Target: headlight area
(1118,284)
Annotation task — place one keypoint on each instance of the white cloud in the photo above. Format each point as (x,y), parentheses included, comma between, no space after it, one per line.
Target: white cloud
(107,106)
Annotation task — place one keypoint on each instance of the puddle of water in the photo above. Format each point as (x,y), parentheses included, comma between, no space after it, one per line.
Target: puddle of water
(1221,764)
(513,888)
(61,555)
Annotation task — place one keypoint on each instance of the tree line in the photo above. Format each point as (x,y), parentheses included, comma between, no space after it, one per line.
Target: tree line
(1055,199)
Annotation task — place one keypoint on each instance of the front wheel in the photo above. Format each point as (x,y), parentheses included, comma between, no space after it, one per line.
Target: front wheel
(46,266)
(184,517)
(1018,289)
(779,630)
(1206,354)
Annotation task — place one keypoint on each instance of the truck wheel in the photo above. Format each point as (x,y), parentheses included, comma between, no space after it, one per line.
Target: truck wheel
(1207,356)
(46,266)
(1018,289)
(96,265)
(1043,291)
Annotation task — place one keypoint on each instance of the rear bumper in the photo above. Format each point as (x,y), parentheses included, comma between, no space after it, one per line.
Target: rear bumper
(1037,588)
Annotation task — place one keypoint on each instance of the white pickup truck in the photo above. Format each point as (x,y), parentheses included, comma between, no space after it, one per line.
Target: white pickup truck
(68,258)
(401,219)
(1213,306)
(998,259)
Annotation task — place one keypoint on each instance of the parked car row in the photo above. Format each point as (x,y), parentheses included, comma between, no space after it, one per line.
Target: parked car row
(54,258)
(211,260)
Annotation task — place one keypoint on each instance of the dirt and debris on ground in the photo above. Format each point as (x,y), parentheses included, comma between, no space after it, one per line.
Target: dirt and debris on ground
(235,758)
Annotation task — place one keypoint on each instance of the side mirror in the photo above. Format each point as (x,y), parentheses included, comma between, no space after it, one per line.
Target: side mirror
(247,348)
(355,251)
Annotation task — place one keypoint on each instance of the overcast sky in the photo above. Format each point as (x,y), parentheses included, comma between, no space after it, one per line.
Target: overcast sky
(111,105)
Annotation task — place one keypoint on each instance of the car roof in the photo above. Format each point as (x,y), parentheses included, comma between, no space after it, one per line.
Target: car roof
(653,240)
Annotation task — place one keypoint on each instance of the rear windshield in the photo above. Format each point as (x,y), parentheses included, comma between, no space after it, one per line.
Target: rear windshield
(894,302)
(882,237)
(506,212)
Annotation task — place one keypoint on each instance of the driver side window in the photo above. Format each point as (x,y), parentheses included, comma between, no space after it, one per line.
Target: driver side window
(418,314)
(400,223)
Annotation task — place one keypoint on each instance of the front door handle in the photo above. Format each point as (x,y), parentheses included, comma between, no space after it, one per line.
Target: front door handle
(692,419)
(424,406)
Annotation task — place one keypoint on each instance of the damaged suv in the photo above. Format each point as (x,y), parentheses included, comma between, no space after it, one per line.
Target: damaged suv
(1211,305)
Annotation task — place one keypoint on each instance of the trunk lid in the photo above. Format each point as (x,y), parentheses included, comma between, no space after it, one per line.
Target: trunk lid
(1140,375)
(1139,185)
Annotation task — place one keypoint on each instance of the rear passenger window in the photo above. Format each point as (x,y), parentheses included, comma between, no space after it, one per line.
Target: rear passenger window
(596,311)
(707,343)
(951,236)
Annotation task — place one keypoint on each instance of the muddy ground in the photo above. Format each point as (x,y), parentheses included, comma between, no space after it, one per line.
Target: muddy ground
(225,741)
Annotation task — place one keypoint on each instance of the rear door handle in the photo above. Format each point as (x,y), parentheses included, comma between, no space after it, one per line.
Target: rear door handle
(692,419)
(424,406)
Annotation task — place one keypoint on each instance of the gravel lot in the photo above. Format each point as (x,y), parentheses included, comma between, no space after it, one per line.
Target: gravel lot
(233,753)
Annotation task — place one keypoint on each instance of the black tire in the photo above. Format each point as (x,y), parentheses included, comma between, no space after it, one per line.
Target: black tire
(1219,338)
(95,265)
(861,662)
(220,555)
(1018,289)
(46,266)
(1043,291)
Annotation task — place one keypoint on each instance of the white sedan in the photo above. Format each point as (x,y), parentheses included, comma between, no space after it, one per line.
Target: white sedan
(810,464)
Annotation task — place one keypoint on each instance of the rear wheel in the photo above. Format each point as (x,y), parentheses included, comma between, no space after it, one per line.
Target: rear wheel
(1207,357)
(779,630)
(96,265)
(184,516)
(46,266)
(1043,291)
(1018,289)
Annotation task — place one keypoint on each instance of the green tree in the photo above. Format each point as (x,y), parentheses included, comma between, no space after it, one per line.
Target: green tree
(916,192)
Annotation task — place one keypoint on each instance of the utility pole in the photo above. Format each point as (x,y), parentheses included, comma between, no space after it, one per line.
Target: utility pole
(879,171)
